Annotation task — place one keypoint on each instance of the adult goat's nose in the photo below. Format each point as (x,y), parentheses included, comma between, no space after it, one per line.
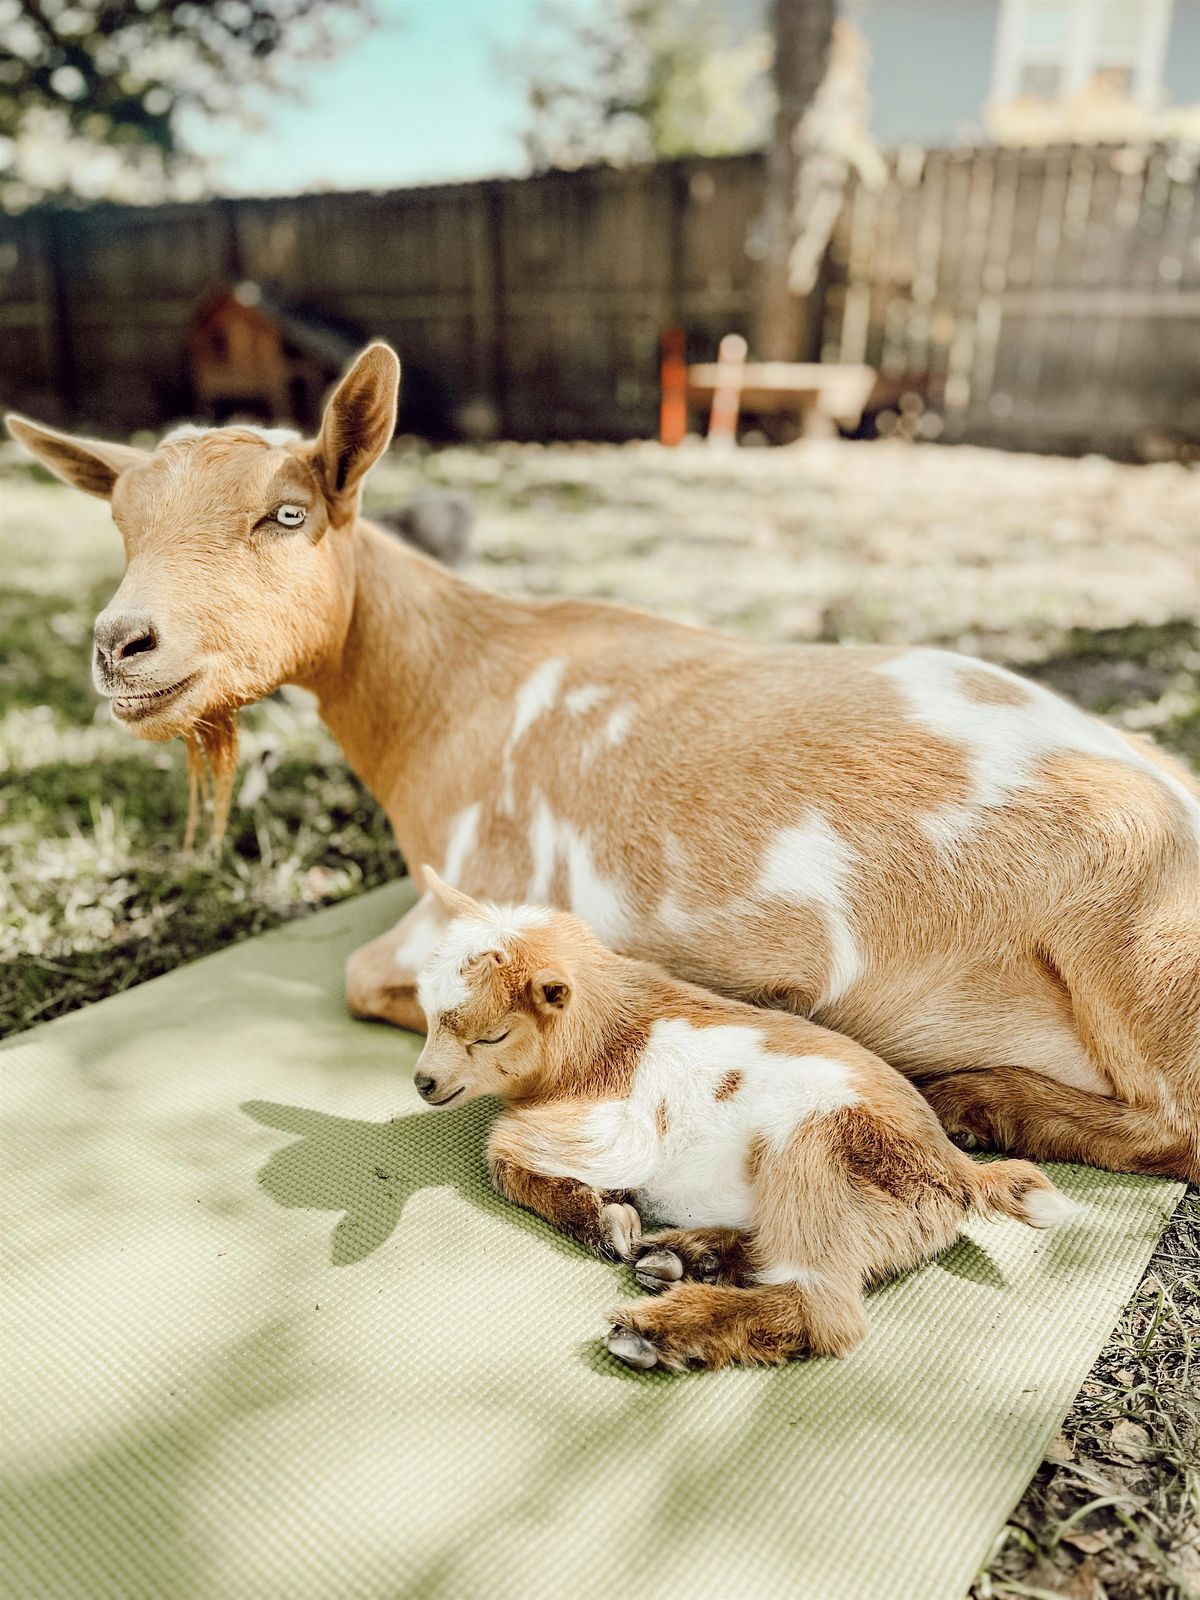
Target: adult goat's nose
(118,638)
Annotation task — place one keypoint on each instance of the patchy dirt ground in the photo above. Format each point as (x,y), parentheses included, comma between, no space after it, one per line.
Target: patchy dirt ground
(1083,573)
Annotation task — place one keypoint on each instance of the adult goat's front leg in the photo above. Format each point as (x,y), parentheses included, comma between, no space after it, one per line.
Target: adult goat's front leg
(381,977)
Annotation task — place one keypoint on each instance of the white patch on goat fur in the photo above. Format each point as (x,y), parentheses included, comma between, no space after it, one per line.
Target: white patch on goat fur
(1005,745)
(534,698)
(615,729)
(1171,1109)
(695,1175)
(543,851)
(596,900)
(424,924)
(812,865)
(420,931)
(672,913)
(464,836)
(441,985)
(617,725)
(586,697)
(275,437)
(792,1272)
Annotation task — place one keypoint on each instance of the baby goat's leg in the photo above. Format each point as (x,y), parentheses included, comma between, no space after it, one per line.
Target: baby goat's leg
(857,1196)
(809,1293)
(713,1325)
(601,1219)
(847,1200)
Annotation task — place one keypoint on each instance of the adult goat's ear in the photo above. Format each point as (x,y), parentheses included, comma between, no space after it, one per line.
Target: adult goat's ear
(92,465)
(359,422)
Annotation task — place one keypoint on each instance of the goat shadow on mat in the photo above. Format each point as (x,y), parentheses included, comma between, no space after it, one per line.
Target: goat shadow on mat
(967,1259)
(369,1170)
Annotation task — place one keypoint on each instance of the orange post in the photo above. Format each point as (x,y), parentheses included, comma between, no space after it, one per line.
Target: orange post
(672,416)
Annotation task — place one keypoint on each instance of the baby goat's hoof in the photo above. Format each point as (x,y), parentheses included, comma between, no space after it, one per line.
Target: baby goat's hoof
(631,1348)
(681,1253)
(658,1270)
(622,1228)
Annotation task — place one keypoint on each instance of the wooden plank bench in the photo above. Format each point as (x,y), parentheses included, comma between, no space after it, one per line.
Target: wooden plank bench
(821,395)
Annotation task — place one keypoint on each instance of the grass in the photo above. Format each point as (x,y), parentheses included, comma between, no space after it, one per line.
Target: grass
(98,895)
(1082,573)
(1114,1511)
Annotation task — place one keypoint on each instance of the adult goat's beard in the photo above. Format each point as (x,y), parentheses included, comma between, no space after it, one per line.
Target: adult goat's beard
(212,757)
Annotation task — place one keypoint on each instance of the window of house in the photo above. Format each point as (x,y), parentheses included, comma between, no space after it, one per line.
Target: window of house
(1052,49)
(1044,43)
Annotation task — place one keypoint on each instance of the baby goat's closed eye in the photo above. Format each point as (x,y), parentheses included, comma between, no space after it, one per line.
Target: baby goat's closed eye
(487,1001)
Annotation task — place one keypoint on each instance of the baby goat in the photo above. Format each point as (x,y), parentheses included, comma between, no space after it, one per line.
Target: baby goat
(794,1167)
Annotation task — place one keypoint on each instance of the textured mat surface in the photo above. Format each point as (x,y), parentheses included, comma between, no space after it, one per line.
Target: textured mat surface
(268,1333)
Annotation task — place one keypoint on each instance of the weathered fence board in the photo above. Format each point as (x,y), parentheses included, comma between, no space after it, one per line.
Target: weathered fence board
(1048,299)
(1037,299)
(543,299)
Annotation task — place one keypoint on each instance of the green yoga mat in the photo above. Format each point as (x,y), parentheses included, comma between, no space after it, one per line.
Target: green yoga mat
(267,1332)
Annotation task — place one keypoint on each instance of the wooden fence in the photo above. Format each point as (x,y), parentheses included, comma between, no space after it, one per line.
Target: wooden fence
(1044,299)
(543,298)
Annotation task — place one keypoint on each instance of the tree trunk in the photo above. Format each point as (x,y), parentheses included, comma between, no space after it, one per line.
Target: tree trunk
(803,31)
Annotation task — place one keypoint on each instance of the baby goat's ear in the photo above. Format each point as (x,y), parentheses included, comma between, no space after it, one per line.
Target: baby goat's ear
(454,900)
(495,958)
(551,991)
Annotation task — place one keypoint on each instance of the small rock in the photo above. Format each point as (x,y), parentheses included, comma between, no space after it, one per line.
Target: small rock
(1187,1565)
(254,785)
(1090,1544)
(1130,1439)
(320,881)
(436,521)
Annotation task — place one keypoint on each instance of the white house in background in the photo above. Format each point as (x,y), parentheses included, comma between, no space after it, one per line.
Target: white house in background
(1048,50)
(945,71)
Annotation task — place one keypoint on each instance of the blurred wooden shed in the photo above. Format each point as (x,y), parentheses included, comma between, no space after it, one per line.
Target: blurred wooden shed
(255,357)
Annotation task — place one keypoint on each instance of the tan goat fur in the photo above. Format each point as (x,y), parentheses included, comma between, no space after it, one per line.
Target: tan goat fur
(991,890)
(793,1168)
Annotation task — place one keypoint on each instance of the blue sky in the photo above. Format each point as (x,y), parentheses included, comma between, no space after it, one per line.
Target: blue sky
(417,100)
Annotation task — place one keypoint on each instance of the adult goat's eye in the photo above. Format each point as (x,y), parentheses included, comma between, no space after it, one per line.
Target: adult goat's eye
(496,1039)
(291,516)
